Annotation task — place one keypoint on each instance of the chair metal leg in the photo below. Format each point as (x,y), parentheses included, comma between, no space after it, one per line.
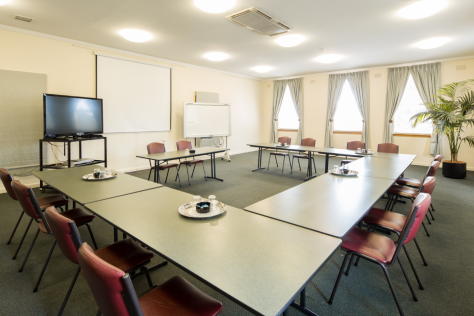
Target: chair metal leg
(299,163)
(421,253)
(167,173)
(22,239)
(426,216)
(187,169)
(388,202)
(349,265)
(357,261)
(269,157)
(29,251)
(204,169)
(149,174)
(276,160)
(338,279)
(432,217)
(92,236)
(392,289)
(426,230)
(159,176)
(283,164)
(408,281)
(148,277)
(193,170)
(314,164)
(69,292)
(44,267)
(293,162)
(413,268)
(16,226)
(432,208)
(177,173)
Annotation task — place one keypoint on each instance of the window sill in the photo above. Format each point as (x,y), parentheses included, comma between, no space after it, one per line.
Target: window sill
(412,135)
(287,130)
(347,132)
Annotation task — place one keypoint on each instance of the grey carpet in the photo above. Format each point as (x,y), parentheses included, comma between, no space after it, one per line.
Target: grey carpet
(448,280)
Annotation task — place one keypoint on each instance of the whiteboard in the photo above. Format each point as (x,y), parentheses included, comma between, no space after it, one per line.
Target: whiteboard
(206,119)
(137,96)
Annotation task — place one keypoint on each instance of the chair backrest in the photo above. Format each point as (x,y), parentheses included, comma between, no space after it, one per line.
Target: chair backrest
(184,144)
(355,144)
(422,203)
(388,148)
(428,185)
(27,199)
(438,158)
(63,230)
(308,142)
(7,182)
(434,168)
(284,139)
(107,283)
(155,148)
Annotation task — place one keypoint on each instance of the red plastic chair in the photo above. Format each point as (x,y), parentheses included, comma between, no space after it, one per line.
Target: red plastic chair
(31,207)
(183,145)
(354,145)
(56,200)
(126,254)
(282,140)
(115,295)
(156,148)
(431,172)
(304,142)
(387,148)
(382,250)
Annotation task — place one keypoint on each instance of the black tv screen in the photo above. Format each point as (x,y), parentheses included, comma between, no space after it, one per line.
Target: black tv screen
(67,115)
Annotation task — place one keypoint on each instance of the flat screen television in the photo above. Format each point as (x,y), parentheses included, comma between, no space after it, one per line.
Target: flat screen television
(72,116)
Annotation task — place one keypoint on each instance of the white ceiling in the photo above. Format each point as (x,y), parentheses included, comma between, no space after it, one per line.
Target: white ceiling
(367,32)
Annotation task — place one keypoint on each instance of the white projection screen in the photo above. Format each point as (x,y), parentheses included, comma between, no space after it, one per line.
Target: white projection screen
(206,119)
(137,96)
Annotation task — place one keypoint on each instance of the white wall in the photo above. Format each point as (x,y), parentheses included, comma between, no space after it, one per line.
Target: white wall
(315,107)
(70,70)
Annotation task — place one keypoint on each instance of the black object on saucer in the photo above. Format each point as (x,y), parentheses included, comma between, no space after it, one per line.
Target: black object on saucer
(192,151)
(346,171)
(203,207)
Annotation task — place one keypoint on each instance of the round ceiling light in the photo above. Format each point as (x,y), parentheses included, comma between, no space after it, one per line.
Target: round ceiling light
(214,6)
(432,43)
(422,9)
(290,40)
(216,56)
(262,69)
(135,35)
(328,58)
(3,2)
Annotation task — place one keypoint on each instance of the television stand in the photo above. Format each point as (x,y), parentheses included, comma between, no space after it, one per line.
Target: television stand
(68,141)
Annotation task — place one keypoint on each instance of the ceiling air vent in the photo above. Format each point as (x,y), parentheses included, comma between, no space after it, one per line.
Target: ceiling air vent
(22,18)
(259,22)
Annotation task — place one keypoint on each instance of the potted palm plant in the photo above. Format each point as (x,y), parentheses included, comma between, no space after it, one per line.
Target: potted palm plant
(451,114)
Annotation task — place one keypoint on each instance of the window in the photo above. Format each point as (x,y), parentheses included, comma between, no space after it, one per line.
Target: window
(410,104)
(287,118)
(347,117)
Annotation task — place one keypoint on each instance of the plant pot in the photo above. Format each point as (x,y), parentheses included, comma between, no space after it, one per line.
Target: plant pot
(456,170)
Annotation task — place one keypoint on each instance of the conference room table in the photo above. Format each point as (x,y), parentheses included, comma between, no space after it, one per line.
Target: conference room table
(260,263)
(161,158)
(293,148)
(69,182)
(353,153)
(332,204)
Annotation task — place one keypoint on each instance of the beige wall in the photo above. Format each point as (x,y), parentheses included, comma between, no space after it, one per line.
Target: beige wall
(70,70)
(315,106)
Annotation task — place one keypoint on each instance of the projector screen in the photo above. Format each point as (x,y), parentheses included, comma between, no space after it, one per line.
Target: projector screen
(137,96)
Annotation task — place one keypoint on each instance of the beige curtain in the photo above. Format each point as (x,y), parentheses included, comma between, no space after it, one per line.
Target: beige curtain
(279,87)
(335,89)
(397,81)
(296,90)
(359,83)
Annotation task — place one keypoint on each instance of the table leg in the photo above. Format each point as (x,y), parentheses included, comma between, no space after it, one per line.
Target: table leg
(259,159)
(326,168)
(213,168)
(310,167)
(302,305)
